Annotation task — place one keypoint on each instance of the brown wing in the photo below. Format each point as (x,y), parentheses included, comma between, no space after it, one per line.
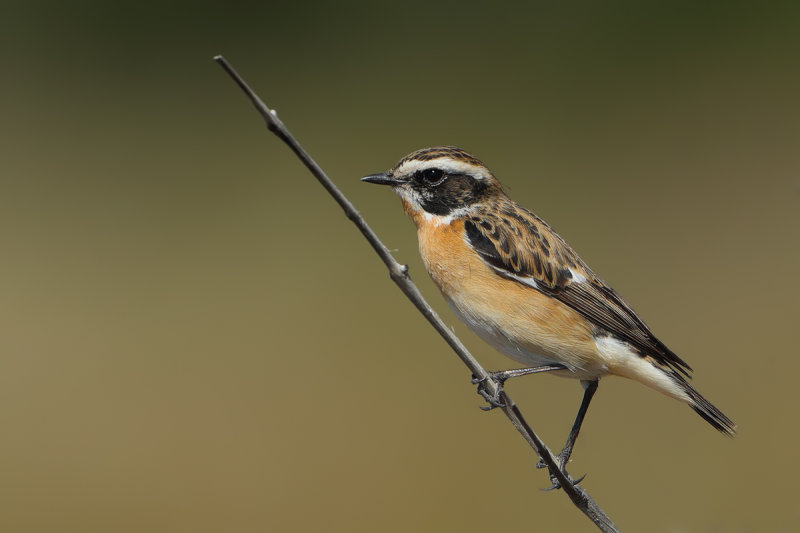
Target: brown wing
(521,246)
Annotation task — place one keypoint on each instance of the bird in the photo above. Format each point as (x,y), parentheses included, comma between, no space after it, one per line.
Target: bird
(521,288)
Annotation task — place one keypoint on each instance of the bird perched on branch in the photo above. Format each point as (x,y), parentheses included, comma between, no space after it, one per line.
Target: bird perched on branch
(514,282)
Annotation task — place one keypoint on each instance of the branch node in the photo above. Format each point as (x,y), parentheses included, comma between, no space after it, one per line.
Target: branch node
(399,273)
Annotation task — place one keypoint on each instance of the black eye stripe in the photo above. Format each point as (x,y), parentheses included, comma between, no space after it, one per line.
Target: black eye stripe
(453,190)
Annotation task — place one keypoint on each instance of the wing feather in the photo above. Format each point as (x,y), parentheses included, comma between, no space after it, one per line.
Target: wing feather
(519,245)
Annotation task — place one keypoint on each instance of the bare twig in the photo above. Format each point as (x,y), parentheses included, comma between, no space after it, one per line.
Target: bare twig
(399,274)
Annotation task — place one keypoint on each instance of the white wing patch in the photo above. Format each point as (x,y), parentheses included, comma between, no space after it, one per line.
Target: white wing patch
(530,282)
(577,277)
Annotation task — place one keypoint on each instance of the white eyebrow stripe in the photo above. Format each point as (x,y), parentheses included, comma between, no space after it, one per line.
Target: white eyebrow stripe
(447,164)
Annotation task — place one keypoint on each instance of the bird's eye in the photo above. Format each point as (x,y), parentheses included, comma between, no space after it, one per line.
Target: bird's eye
(432,175)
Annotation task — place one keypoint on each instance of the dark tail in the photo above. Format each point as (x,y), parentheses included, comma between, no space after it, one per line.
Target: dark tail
(706,409)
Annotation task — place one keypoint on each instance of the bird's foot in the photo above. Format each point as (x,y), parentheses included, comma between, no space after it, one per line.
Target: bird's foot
(493,400)
(561,461)
(500,378)
(556,484)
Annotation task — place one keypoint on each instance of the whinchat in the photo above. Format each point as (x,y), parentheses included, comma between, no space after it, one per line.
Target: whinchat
(514,282)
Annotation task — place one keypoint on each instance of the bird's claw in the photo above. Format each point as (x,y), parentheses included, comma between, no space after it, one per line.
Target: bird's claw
(561,461)
(557,484)
(492,399)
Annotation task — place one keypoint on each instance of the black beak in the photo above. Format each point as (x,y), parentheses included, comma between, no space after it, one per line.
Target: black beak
(384,178)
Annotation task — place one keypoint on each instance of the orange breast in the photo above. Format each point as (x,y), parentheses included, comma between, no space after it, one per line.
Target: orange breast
(517,320)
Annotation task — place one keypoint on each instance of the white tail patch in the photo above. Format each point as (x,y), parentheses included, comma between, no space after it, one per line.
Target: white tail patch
(622,361)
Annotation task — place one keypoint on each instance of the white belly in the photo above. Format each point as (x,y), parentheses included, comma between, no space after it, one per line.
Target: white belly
(497,339)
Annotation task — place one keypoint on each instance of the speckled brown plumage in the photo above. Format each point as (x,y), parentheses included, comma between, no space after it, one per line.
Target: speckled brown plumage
(519,244)
(519,285)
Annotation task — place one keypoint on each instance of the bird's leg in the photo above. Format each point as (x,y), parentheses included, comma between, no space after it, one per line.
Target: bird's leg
(501,377)
(589,388)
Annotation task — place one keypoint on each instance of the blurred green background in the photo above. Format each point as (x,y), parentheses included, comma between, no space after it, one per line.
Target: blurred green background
(193,337)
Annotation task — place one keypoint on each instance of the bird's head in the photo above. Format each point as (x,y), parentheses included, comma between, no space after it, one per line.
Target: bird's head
(442,181)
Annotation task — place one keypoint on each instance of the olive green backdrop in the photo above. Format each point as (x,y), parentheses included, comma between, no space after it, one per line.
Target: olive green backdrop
(193,337)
